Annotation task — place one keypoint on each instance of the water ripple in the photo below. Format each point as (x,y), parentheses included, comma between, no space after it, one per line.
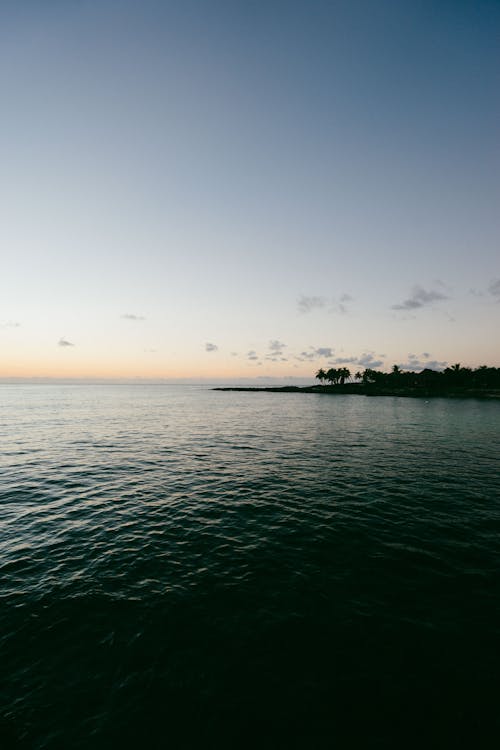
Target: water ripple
(166,547)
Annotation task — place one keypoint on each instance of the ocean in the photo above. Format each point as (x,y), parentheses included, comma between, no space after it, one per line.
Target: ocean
(181,567)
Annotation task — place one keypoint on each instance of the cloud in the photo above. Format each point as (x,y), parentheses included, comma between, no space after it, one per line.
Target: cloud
(433,364)
(211,347)
(10,324)
(276,346)
(416,364)
(315,353)
(420,298)
(308,304)
(323,351)
(335,304)
(494,288)
(252,355)
(276,351)
(339,306)
(368,360)
(64,342)
(345,361)
(131,316)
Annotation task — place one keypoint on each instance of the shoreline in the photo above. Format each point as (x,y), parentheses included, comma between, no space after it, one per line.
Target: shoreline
(370,390)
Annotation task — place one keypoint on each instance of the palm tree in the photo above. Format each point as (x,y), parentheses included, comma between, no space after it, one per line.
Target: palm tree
(370,376)
(332,375)
(453,371)
(344,374)
(321,375)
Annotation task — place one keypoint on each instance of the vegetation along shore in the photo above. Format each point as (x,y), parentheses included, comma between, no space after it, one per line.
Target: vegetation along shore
(455,381)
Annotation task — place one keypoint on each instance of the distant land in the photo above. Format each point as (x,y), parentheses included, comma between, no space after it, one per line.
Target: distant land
(455,381)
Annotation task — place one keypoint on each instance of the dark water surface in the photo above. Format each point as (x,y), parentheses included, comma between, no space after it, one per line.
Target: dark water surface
(188,568)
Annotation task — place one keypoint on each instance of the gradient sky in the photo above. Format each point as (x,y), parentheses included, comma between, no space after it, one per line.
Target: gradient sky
(235,189)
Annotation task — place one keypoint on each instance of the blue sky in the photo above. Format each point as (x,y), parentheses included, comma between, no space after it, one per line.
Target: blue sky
(248,189)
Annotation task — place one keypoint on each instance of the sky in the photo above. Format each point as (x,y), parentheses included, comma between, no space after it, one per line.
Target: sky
(225,190)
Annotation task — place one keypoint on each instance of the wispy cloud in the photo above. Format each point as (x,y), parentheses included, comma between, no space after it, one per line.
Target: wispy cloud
(308,304)
(211,347)
(314,353)
(64,342)
(368,359)
(494,288)
(323,351)
(131,316)
(276,346)
(339,305)
(252,355)
(420,298)
(276,351)
(345,361)
(416,363)
(9,324)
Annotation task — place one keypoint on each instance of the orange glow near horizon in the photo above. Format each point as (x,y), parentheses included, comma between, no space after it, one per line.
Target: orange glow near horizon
(64,364)
(126,368)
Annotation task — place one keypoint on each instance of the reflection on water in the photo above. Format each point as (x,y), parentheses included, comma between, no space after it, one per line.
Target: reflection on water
(183,567)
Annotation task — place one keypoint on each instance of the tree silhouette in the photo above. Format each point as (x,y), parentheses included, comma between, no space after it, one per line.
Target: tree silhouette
(332,375)
(454,379)
(369,376)
(321,375)
(343,375)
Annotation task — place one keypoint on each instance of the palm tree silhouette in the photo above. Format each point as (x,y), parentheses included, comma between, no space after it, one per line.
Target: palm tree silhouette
(321,375)
(344,374)
(332,375)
